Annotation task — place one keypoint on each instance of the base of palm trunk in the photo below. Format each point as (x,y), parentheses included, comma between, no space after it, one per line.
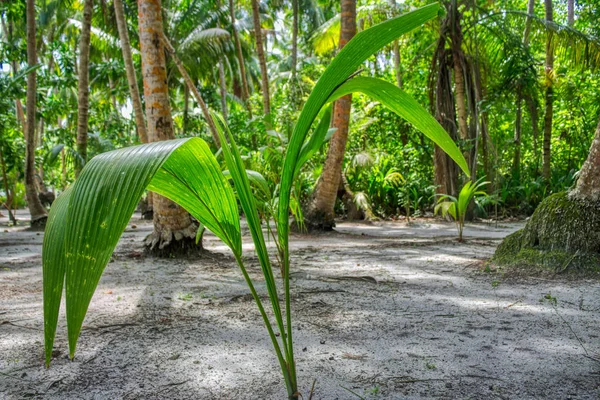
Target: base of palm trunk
(562,235)
(173,243)
(39,222)
(317,220)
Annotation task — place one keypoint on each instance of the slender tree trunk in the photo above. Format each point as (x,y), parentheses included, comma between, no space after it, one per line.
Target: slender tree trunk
(293,89)
(223,89)
(9,196)
(321,210)
(570,12)
(36,210)
(83,91)
(396,49)
(113,98)
(516,166)
(174,229)
(549,71)
(480,93)
(194,90)
(240,57)
(459,73)
(134,91)
(186,107)
(262,61)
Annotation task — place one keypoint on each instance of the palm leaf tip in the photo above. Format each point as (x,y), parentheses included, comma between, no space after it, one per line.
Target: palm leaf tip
(99,205)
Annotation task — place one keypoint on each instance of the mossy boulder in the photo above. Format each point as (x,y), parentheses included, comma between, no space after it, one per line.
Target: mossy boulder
(563,234)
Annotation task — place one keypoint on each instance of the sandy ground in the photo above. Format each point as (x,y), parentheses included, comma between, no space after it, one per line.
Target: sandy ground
(382,311)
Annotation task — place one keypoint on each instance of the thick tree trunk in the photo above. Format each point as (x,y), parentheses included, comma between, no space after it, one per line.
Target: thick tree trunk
(240,57)
(320,214)
(36,210)
(83,91)
(588,183)
(562,234)
(262,61)
(174,229)
(549,72)
(442,104)
(134,91)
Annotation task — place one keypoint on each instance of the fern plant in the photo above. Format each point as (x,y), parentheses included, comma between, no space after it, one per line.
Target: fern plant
(457,207)
(86,221)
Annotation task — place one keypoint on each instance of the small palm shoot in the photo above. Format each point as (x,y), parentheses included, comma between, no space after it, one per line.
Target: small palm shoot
(87,220)
(457,208)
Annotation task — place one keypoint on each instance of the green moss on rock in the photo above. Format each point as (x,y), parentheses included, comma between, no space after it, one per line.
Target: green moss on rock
(562,234)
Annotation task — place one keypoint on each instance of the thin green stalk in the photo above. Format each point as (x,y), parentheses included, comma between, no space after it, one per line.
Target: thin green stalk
(288,316)
(282,361)
(238,173)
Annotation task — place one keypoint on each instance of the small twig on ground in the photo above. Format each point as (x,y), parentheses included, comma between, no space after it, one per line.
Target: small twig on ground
(97,328)
(573,332)
(354,393)
(514,304)
(168,385)
(312,389)
(19,326)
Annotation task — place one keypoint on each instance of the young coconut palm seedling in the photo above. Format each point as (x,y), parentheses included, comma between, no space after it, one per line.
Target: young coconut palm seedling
(457,208)
(86,221)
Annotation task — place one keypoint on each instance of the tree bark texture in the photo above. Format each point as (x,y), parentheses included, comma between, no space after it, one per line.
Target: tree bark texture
(549,95)
(320,214)
(516,166)
(588,183)
(36,209)
(83,90)
(223,89)
(240,57)
(262,61)
(134,91)
(192,87)
(174,229)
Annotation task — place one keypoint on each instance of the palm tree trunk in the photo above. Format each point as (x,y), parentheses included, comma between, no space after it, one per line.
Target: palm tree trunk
(9,195)
(36,209)
(549,71)
(459,76)
(260,51)
(320,214)
(396,49)
(223,89)
(588,184)
(174,230)
(190,84)
(134,91)
(240,57)
(83,91)
(516,167)
(294,49)
(570,12)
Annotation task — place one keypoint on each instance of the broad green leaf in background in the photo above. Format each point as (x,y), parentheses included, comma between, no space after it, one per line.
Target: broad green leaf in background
(88,219)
